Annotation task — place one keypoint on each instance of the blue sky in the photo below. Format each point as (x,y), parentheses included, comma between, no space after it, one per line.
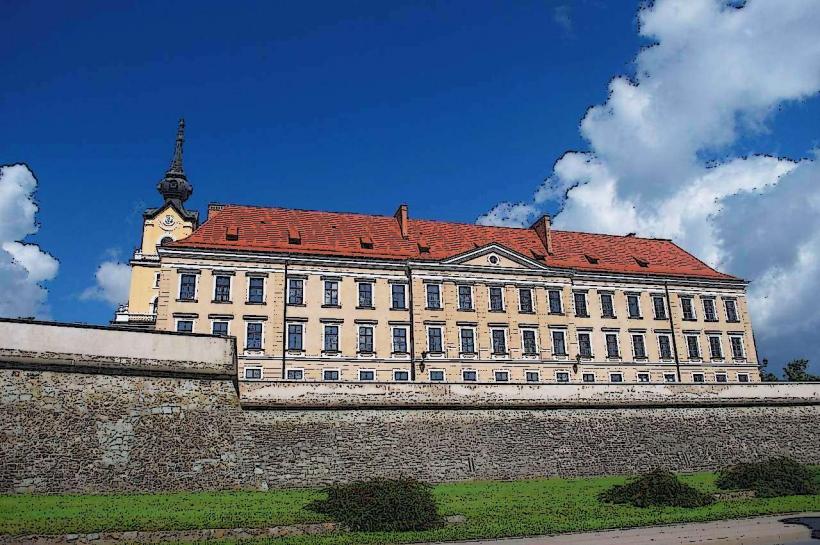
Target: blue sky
(451,107)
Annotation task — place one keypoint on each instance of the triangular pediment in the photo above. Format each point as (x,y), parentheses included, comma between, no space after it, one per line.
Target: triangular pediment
(493,256)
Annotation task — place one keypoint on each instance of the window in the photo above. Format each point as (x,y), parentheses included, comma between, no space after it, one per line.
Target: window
(296,291)
(222,289)
(398,296)
(220,328)
(528,341)
(401,375)
(612,345)
(295,336)
(331,338)
(607,308)
(665,347)
(693,346)
(669,377)
(532,376)
(367,374)
(721,377)
(295,374)
(365,295)
(737,347)
(256,289)
(525,300)
(366,339)
(633,306)
(332,293)
(187,287)
(433,296)
(731,310)
(185,326)
(559,345)
(436,375)
(580,299)
(688,308)
(616,377)
(502,376)
(330,374)
(499,337)
(468,375)
(152,308)
(659,306)
(742,377)
(584,345)
(643,377)
(698,377)
(638,347)
(496,298)
(156,280)
(400,340)
(434,343)
(715,348)
(562,376)
(253,336)
(709,312)
(555,301)
(253,373)
(467,340)
(588,377)
(465,298)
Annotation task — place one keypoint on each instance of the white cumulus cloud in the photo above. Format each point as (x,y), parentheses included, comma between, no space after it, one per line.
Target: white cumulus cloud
(23,266)
(661,163)
(112,283)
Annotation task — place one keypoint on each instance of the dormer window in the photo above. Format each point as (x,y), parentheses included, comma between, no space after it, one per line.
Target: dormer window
(641,262)
(424,246)
(294,236)
(366,242)
(538,256)
(232,233)
(591,260)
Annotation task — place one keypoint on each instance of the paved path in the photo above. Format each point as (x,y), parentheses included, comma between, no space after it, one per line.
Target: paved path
(750,531)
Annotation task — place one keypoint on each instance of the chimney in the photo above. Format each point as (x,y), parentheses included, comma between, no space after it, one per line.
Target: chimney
(213,208)
(543,228)
(401,217)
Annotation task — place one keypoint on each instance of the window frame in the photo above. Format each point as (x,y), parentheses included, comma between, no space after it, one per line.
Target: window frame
(591,354)
(427,292)
(505,333)
(691,301)
(664,315)
(646,374)
(637,298)
(301,326)
(720,355)
(325,349)
(437,370)
(407,371)
(221,321)
(300,282)
(490,299)
(328,290)
(359,339)
(528,372)
(521,308)
(295,370)
(359,303)
(617,336)
(248,288)
(575,295)
(733,301)
(742,344)
(555,354)
(699,356)
(368,370)
(560,300)
(745,378)
(698,374)
(182,319)
(461,350)
(611,297)
(616,374)
(336,370)
(505,372)
(666,377)
(584,378)
(403,287)
(440,329)
(711,300)
(464,379)
(725,378)
(642,336)
(671,355)
(261,335)
(393,340)
(216,298)
(247,368)
(559,372)
(193,297)
(534,331)
(470,296)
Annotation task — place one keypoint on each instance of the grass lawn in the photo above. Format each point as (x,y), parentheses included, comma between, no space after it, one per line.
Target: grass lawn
(493,509)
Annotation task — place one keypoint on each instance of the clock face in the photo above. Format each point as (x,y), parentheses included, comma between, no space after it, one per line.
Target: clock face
(168,221)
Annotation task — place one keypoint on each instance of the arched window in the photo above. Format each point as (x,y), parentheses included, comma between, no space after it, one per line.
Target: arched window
(165,240)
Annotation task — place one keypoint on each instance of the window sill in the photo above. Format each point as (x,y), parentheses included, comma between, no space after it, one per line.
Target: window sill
(468,353)
(295,350)
(732,321)
(367,307)
(497,310)
(661,318)
(215,302)
(562,356)
(296,305)
(613,358)
(466,310)
(398,308)
(330,352)
(556,314)
(607,317)
(526,312)
(187,301)
(255,351)
(530,354)
(500,354)
(689,319)
(582,315)
(402,353)
(643,359)
(711,321)
(365,353)
(255,303)
(635,317)
(331,306)
(433,308)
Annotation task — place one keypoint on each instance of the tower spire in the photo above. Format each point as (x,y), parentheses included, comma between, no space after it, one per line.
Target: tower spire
(174,187)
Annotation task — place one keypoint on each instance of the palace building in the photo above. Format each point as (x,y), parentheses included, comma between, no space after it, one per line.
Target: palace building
(330,296)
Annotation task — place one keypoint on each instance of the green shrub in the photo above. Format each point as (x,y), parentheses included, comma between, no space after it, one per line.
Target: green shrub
(773,477)
(389,505)
(656,488)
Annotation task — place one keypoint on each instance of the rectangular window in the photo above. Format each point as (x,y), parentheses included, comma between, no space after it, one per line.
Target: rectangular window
(525,300)
(433,296)
(731,310)
(401,376)
(220,328)
(638,347)
(253,373)
(468,375)
(187,287)
(742,377)
(397,296)
(296,291)
(532,376)
(580,299)
(465,298)
(366,339)
(367,374)
(659,306)
(643,377)
(332,293)
(253,336)
(721,377)
(185,326)
(331,338)
(156,280)
(715,347)
(502,376)
(295,374)
(256,289)
(555,301)
(330,374)
(698,377)
(612,345)
(559,344)
(588,377)
(400,340)
(499,337)
(295,337)
(562,376)
(434,343)
(688,308)
(436,375)
(467,340)
(737,347)
(616,377)
(669,377)
(665,347)
(222,289)
(633,306)
(693,347)
(496,298)
(365,295)
(584,345)
(528,341)
(709,312)
(607,308)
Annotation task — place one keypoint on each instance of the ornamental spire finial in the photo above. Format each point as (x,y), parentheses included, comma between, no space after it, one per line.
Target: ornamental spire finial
(176,162)
(174,186)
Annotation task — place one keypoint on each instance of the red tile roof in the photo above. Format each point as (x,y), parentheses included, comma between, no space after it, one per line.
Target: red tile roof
(349,235)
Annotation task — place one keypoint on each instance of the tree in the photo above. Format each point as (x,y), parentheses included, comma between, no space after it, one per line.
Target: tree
(766,376)
(795,371)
